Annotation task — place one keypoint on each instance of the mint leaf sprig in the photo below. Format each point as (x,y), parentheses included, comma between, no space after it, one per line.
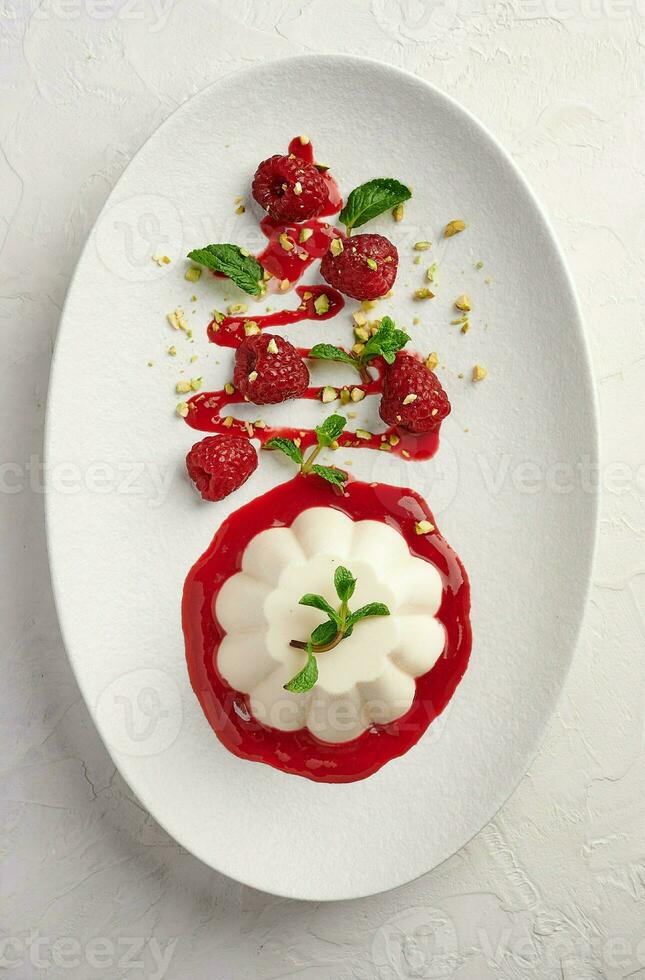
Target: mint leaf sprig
(385,343)
(326,435)
(235,263)
(337,627)
(371,199)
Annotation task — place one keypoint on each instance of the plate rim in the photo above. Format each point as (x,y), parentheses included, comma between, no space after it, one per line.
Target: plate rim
(576,323)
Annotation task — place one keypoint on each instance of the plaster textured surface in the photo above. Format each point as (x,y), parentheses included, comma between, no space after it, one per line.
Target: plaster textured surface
(555,886)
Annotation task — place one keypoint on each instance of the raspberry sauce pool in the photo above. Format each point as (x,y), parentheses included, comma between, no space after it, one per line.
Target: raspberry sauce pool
(300,752)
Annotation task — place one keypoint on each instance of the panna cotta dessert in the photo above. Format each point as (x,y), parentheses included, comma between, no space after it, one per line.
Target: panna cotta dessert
(368,677)
(325,632)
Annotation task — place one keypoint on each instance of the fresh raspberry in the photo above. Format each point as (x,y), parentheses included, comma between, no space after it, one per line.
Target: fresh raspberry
(409,376)
(269,370)
(289,188)
(218,465)
(365,269)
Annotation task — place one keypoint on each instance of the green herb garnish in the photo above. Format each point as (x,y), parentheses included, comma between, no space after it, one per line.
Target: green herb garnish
(326,435)
(305,680)
(235,263)
(385,343)
(371,199)
(337,627)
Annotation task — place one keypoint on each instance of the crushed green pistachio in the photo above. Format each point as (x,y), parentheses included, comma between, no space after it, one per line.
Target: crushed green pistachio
(328,394)
(454,228)
(424,527)
(321,304)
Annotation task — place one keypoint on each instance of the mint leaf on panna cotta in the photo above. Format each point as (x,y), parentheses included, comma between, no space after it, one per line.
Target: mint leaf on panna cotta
(338,626)
(344,583)
(307,677)
(234,262)
(371,199)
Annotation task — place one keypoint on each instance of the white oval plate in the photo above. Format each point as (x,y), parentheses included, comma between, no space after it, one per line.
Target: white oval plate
(510,484)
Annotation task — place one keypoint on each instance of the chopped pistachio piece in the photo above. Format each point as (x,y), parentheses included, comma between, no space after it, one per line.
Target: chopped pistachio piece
(228,388)
(196,383)
(424,527)
(285,242)
(182,409)
(479,372)
(253,376)
(423,293)
(357,394)
(463,303)
(284,285)
(363,434)
(193,273)
(321,304)
(177,320)
(422,246)
(182,387)
(237,309)
(272,347)
(297,188)
(251,328)
(172,351)
(410,398)
(371,264)
(432,360)
(305,235)
(328,394)
(398,212)
(454,228)
(228,421)
(336,247)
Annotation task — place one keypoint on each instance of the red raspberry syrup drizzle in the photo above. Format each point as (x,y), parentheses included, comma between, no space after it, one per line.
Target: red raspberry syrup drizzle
(300,752)
(206,410)
(227,710)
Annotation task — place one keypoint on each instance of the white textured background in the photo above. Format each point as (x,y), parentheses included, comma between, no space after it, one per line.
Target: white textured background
(555,888)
